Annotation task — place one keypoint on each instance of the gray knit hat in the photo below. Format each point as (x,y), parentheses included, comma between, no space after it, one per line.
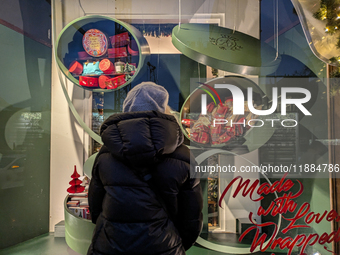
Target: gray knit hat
(146,96)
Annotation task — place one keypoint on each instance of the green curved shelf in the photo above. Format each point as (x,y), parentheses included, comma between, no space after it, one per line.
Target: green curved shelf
(78,231)
(225,49)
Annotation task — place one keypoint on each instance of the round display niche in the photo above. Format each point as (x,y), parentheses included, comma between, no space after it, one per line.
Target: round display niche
(101,54)
(199,128)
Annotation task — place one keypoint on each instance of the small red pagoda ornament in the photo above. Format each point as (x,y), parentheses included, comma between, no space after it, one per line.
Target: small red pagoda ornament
(75,183)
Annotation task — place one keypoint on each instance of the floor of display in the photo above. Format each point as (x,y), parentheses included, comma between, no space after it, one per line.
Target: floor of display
(49,245)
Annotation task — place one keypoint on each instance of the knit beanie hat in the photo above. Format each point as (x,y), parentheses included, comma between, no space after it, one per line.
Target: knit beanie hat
(146,96)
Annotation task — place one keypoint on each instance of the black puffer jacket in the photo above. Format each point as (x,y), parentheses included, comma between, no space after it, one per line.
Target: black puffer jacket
(129,217)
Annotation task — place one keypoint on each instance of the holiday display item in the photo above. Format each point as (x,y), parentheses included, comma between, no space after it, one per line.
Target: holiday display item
(84,204)
(80,199)
(78,211)
(75,183)
(188,122)
(88,215)
(92,68)
(78,195)
(115,82)
(200,130)
(119,40)
(73,203)
(204,132)
(106,66)
(76,68)
(117,52)
(102,81)
(215,131)
(129,68)
(88,81)
(95,43)
(119,66)
(87,39)
(82,55)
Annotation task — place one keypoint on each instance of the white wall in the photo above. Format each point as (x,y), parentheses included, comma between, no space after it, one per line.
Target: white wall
(68,141)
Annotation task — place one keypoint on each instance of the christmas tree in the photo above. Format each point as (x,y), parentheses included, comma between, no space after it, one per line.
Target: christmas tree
(75,183)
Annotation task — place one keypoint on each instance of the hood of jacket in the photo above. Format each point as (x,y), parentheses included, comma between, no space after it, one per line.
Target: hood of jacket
(141,138)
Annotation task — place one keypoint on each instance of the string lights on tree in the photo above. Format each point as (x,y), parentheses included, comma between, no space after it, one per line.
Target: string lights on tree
(329,11)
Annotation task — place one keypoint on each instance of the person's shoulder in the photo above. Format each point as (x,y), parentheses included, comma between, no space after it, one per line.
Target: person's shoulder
(182,153)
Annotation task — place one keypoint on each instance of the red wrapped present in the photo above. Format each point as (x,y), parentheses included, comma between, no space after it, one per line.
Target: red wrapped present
(200,130)
(102,81)
(76,68)
(117,52)
(88,81)
(115,82)
(120,39)
(210,107)
(106,66)
(188,122)
(201,137)
(220,111)
(228,102)
(225,137)
(239,128)
(216,130)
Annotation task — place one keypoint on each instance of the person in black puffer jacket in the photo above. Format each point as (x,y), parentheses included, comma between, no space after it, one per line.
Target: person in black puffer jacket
(161,216)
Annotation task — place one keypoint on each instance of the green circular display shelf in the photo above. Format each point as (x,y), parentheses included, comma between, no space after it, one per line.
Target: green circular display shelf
(78,231)
(69,43)
(225,49)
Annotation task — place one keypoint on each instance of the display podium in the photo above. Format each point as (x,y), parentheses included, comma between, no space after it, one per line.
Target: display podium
(78,231)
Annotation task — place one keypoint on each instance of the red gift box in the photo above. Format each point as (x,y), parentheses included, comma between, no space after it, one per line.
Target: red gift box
(106,66)
(115,82)
(102,81)
(117,52)
(76,68)
(88,81)
(120,39)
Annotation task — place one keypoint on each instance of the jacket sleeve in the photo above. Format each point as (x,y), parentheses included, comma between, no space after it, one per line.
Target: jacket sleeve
(182,196)
(96,194)
(190,218)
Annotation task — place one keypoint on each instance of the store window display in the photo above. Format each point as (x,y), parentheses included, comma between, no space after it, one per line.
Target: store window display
(102,63)
(242,146)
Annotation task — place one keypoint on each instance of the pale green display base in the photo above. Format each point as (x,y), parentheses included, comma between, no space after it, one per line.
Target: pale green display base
(78,231)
